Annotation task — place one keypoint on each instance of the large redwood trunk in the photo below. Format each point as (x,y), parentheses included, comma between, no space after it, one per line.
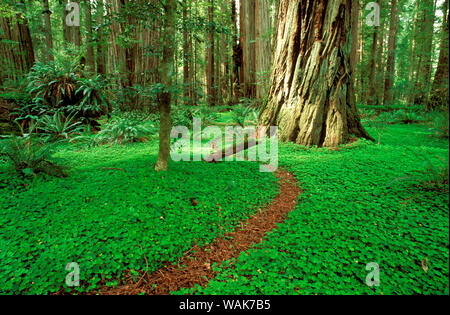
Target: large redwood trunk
(310,95)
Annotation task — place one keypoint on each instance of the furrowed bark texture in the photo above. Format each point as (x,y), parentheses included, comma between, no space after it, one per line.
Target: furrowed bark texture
(310,93)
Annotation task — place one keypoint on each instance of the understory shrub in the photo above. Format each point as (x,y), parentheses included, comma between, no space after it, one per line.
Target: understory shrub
(184,115)
(30,155)
(67,88)
(127,128)
(440,124)
(58,127)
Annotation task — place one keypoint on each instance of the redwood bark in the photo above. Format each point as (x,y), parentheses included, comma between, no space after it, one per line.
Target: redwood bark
(310,95)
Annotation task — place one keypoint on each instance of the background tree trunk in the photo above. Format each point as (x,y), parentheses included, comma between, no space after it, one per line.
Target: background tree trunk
(210,77)
(187,55)
(392,46)
(412,63)
(262,46)
(90,57)
(426,50)
(165,97)
(247,42)
(236,54)
(101,57)
(47,31)
(309,96)
(439,91)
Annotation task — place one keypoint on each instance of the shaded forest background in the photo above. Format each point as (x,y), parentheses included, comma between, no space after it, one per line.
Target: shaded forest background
(222,54)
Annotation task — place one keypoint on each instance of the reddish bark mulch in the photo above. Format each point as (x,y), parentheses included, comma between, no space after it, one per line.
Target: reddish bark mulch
(198,261)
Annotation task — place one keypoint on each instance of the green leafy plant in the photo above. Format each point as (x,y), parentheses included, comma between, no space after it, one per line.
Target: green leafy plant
(58,127)
(245,111)
(440,124)
(65,87)
(130,127)
(30,156)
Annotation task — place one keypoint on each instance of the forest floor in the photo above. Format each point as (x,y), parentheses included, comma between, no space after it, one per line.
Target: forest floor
(118,219)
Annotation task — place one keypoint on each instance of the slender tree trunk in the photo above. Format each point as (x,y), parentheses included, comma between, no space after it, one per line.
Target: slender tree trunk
(210,77)
(413,55)
(247,41)
(426,39)
(187,55)
(439,91)
(25,42)
(90,57)
(76,32)
(356,45)
(262,46)
(47,31)
(379,83)
(101,58)
(165,97)
(236,54)
(392,46)
(224,60)
(310,92)
(372,94)
(16,47)
(66,29)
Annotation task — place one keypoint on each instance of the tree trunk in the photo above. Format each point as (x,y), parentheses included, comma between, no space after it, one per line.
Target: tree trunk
(426,39)
(101,58)
(16,47)
(439,91)
(90,58)
(77,32)
(412,63)
(392,46)
(47,31)
(356,42)
(164,98)
(372,94)
(224,72)
(262,46)
(310,92)
(210,77)
(236,54)
(66,29)
(379,83)
(247,41)
(187,55)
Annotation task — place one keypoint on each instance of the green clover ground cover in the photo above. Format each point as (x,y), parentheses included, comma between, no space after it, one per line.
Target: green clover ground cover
(366,203)
(112,220)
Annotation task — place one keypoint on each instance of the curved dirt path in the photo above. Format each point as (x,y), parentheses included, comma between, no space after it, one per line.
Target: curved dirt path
(198,261)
